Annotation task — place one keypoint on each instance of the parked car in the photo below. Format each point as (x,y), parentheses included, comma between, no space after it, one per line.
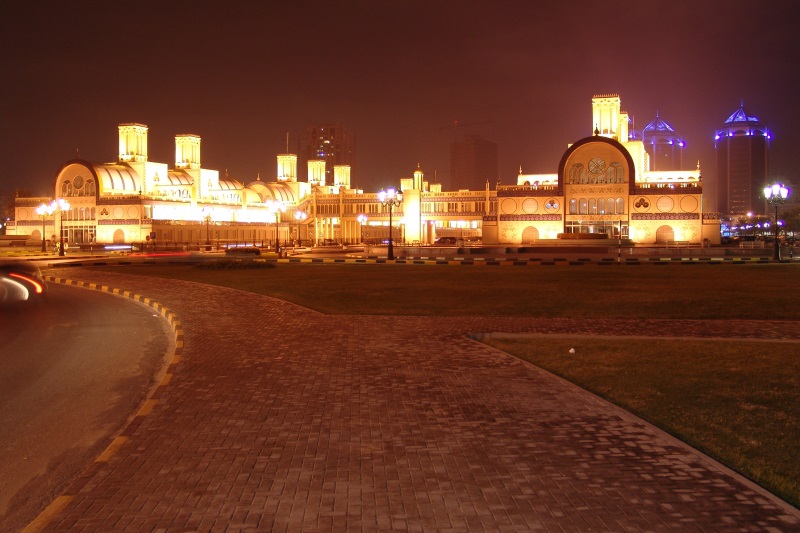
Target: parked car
(21,281)
(445,241)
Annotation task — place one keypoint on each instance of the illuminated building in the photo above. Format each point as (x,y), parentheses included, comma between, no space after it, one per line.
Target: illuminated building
(742,147)
(473,162)
(603,188)
(663,144)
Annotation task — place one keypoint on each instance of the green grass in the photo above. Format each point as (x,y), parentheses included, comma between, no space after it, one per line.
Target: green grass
(671,291)
(738,401)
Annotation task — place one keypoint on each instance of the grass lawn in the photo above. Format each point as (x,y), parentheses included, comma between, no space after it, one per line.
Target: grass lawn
(694,291)
(738,401)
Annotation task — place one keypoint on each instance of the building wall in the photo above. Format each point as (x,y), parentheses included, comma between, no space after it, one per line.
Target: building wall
(603,187)
(473,162)
(741,174)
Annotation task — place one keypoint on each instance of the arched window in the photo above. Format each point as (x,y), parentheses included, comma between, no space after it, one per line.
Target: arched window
(66,188)
(610,206)
(583,206)
(573,206)
(601,206)
(575,173)
(620,206)
(592,206)
(619,172)
(90,191)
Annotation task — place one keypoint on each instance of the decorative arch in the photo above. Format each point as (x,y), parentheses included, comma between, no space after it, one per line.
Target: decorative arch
(530,234)
(665,234)
(119,236)
(619,170)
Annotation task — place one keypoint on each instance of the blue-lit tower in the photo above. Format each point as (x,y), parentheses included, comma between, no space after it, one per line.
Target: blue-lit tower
(742,146)
(664,145)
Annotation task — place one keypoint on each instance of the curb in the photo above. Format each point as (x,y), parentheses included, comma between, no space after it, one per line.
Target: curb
(46,516)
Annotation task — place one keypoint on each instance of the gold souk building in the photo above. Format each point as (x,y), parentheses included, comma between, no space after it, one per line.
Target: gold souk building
(603,189)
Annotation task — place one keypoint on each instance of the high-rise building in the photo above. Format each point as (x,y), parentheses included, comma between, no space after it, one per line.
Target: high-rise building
(663,144)
(742,147)
(473,162)
(332,143)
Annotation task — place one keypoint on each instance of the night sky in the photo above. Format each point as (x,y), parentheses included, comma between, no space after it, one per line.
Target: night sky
(397,73)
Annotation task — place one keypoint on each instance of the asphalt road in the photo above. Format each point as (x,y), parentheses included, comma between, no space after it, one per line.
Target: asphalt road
(73,370)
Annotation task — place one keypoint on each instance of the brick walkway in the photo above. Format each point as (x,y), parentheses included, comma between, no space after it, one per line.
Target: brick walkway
(278,418)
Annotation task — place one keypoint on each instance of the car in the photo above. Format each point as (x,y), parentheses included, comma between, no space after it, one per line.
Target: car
(21,281)
(445,241)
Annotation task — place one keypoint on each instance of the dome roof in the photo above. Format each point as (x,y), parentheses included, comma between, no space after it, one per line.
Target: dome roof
(659,125)
(659,131)
(740,122)
(118,178)
(741,116)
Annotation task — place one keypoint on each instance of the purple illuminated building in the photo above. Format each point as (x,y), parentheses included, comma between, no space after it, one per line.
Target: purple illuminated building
(742,146)
(664,146)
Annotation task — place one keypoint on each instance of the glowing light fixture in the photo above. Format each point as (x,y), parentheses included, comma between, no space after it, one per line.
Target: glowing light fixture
(276,207)
(776,194)
(299,216)
(44,211)
(362,219)
(61,205)
(391,199)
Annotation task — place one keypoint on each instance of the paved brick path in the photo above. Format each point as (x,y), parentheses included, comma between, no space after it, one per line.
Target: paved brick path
(278,418)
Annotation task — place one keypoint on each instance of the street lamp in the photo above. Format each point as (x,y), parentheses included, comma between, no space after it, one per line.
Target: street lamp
(44,211)
(776,194)
(206,213)
(391,199)
(276,207)
(299,216)
(362,219)
(62,205)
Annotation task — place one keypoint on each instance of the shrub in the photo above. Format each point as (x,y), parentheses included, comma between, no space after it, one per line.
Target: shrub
(234,264)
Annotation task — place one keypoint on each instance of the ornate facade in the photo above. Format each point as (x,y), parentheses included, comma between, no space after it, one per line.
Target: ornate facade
(603,189)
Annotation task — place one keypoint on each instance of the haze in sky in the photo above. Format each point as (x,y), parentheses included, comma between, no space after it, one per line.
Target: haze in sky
(397,74)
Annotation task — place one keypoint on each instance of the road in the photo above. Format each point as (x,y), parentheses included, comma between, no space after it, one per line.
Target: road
(72,372)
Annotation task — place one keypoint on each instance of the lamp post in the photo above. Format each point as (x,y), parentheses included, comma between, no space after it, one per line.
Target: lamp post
(44,211)
(62,205)
(206,213)
(362,219)
(776,194)
(276,207)
(391,199)
(299,216)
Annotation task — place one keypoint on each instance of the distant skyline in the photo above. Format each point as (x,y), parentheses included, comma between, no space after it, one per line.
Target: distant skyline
(243,74)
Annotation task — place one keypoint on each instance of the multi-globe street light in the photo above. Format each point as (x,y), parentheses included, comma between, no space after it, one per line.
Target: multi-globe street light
(276,207)
(44,211)
(362,219)
(206,214)
(391,199)
(61,205)
(776,194)
(299,216)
